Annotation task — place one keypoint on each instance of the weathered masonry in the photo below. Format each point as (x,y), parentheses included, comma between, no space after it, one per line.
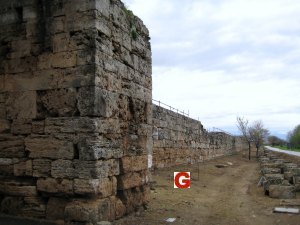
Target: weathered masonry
(178,139)
(76,132)
(75,110)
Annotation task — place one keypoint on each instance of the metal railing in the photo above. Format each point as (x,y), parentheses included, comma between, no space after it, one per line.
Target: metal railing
(164,105)
(171,108)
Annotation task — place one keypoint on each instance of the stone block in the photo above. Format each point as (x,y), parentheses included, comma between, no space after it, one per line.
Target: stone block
(41,167)
(28,82)
(56,208)
(103,7)
(103,187)
(282,192)
(58,102)
(38,127)
(120,208)
(7,166)
(63,169)
(271,179)
(71,125)
(107,80)
(20,65)
(58,24)
(29,13)
(44,61)
(84,169)
(63,59)
(267,170)
(12,205)
(18,187)
(289,166)
(135,197)
(34,207)
(114,167)
(59,187)
(93,101)
(93,211)
(21,126)
(62,43)
(78,76)
(4,126)
(133,179)
(85,57)
(20,48)
(295,171)
(95,148)
(9,17)
(82,125)
(133,163)
(271,165)
(23,168)
(43,146)
(79,21)
(12,146)
(21,105)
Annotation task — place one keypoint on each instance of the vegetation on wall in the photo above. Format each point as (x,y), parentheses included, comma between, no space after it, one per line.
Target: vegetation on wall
(132,23)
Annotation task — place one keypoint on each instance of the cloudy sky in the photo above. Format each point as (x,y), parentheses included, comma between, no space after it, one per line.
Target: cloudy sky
(221,59)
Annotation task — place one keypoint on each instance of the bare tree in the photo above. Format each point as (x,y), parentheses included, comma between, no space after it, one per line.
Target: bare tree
(243,126)
(258,134)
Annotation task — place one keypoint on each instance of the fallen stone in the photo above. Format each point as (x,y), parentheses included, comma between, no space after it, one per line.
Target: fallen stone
(267,170)
(289,166)
(281,191)
(271,179)
(271,165)
(286,210)
(221,165)
(104,223)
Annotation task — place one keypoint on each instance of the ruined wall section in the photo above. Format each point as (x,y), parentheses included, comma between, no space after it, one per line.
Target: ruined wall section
(178,139)
(75,110)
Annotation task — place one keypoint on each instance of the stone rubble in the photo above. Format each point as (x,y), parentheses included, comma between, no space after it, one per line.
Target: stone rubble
(280,178)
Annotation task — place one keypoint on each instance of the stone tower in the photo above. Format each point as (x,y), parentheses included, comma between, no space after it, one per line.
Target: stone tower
(75,110)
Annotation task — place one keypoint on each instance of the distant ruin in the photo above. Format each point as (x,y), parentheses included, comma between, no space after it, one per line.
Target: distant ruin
(76,132)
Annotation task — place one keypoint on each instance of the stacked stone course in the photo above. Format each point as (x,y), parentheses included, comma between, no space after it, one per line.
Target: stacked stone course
(75,110)
(178,139)
(280,178)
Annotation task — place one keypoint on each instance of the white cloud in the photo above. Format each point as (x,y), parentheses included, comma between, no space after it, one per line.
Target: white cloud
(220,59)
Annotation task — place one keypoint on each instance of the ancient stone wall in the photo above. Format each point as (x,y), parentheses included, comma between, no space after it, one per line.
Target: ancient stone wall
(75,110)
(178,139)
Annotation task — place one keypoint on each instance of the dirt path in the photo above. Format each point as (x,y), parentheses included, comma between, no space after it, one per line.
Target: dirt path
(224,196)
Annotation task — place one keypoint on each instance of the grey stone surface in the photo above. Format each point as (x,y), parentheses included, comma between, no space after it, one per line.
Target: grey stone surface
(75,98)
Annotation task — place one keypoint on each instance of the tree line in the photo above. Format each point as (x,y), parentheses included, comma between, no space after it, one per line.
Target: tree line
(257,134)
(294,138)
